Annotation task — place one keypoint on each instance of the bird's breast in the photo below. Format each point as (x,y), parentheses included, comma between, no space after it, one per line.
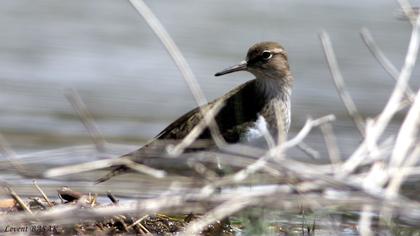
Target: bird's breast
(256,130)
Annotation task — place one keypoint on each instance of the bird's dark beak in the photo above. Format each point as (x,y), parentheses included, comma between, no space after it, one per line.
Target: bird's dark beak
(239,67)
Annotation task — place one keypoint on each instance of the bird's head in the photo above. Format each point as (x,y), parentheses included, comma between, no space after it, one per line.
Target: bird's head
(266,60)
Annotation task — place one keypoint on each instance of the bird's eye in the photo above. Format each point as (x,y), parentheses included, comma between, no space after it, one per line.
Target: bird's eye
(266,55)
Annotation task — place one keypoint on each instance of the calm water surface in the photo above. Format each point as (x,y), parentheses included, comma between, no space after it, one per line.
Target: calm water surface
(105,50)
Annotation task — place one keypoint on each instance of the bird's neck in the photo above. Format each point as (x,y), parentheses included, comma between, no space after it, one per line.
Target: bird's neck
(274,89)
(275,93)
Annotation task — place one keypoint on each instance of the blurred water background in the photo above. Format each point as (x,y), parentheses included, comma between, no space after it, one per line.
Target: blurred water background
(106,51)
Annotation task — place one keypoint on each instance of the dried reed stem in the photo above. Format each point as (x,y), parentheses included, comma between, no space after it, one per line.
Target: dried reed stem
(331,143)
(101,164)
(220,212)
(308,150)
(43,194)
(407,140)
(393,103)
(365,221)
(19,200)
(383,60)
(339,83)
(11,157)
(180,61)
(377,127)
(196,131)
(86,118)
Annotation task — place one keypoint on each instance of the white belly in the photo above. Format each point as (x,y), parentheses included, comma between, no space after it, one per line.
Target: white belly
(256,131)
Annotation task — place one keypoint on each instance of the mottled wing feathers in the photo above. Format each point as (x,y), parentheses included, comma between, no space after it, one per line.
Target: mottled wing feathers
(240,107)
(239,112)
(183,125)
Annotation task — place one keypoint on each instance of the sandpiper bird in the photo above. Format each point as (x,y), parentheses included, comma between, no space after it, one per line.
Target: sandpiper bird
(248,110)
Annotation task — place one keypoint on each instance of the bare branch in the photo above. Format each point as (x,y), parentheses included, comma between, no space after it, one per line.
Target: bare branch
(86,118)
(331,143)
(314,154)
(339,83)
(18,200)
(383,60)
(10,155)
(275,152)
(180,61)
(101,164)
(394,101)
(406,141)
(408,133)
(43,194)
(196,131)
(365,221)
(223,210)
(401,173)
(306,129)
(392,106)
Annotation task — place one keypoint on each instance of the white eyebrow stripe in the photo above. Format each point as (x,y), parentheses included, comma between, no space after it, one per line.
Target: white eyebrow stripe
(277,50)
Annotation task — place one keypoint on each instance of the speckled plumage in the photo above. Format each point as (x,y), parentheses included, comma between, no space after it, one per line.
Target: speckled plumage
(242,105)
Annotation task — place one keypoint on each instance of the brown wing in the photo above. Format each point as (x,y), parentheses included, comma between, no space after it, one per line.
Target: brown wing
(240,111)
(241,107)
(184,124)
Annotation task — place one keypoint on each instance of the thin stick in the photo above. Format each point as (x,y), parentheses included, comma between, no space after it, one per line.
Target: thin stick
(339,83)
(180,61)
(331,143)
(392,105)
(402,172)
(382,59)
(112,197)
(138,222)
(11,156)
(306,129)
(143,168)
(86,118)
(308,150)
(120,218)
(19,200)
(223,210)
(407,135)
(42,193)
(394,101)
(365,221)
(262,161)
(144,229)
(406,140)
(38,203)
(196,131)
(280,196)
(100,164)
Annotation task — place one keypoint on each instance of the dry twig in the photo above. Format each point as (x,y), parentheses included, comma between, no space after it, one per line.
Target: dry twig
(43,194)
(101,164)
(181,63)
(339,83)
(19,200)
(383,60)
(86,118)
(378,126)
(331,143)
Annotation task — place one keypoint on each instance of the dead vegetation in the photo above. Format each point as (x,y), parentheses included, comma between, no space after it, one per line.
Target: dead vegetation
(368,182)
